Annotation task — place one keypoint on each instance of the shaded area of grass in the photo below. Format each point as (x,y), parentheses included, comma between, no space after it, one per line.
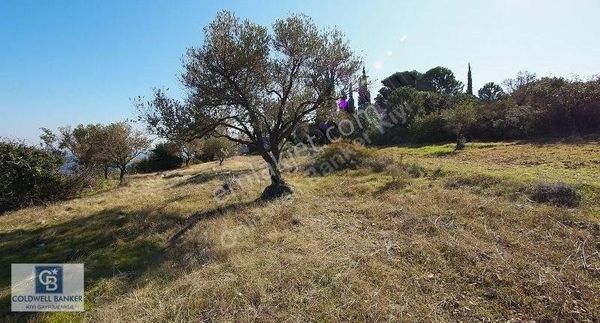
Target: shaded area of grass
(197,217)
(207,176)
(134,236)
(109,242)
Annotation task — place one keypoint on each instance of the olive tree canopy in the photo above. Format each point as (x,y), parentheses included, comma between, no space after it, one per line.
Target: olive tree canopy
(254,85)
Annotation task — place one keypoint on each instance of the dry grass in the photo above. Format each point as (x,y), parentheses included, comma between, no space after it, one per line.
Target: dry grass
(354,245)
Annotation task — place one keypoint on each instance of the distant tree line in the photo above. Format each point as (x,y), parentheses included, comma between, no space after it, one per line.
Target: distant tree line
(72,160)
(97,147)
(66,163)
(527,106)
(172,154)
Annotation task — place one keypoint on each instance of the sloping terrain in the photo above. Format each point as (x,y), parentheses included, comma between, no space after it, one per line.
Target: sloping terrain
(455,237)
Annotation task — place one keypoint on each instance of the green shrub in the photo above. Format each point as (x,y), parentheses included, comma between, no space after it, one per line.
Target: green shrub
(164,156)
(415,170)
(438,172)
(503,120)
(338,155)
(141,166)
(398,173)
(396,169)
(30,175)
(430,128)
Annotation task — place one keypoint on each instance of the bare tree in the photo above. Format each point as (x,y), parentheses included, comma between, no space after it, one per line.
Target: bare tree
(520,86)
(254,87)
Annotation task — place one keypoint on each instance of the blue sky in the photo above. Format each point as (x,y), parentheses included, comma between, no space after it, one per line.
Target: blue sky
(70,62)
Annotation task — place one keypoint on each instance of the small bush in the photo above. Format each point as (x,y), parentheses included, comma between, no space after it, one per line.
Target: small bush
(379,163)
(395,169)
(339,155)
(229,184)
(141,166)
(398,173)
(438,172)
(165,156)
(558,194)
(415,170)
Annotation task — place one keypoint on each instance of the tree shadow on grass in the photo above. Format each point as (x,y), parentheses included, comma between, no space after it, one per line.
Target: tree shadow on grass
(583,139)
(108,242)
(112,242)
(205,177)
(391,186)
(197,217)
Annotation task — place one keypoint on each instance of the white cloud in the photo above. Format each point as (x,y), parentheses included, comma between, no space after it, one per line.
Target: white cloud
(403,39)
(388,53)
(378,65)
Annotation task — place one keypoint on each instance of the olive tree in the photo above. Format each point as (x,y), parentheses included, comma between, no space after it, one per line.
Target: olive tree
(254,85)
(125,144)
(459,119)
(88,144)
(217,149)
(188,149)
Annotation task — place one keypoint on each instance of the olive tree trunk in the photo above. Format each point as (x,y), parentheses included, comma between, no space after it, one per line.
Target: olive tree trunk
(278,186)
(122,175)
(460,141)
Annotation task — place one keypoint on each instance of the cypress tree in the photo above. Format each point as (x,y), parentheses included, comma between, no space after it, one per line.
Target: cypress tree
(351,108)
(364,96)
(469,82)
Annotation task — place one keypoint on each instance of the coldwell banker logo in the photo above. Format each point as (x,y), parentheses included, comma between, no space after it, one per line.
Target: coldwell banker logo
(48,279)
(47,287)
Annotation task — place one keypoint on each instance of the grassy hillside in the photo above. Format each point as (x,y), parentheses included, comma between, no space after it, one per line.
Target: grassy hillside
(453,237)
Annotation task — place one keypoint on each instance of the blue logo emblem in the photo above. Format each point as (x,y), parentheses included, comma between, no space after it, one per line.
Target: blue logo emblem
(48,279)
